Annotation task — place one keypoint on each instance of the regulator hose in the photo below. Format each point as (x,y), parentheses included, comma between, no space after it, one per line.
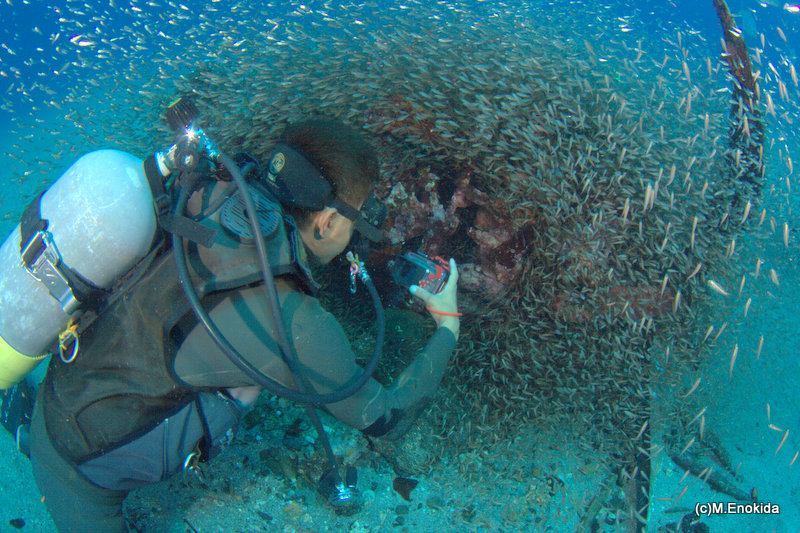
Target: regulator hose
(288,355)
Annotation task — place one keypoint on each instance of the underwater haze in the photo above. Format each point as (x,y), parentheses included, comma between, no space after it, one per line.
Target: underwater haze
(622,207)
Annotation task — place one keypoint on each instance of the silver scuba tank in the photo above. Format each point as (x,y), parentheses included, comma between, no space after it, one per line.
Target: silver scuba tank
(101,222)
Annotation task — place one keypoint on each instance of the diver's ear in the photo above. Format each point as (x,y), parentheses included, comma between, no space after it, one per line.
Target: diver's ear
(324,222)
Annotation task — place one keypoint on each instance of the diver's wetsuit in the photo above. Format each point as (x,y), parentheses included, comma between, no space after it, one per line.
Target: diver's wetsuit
(323,352)
(76,504)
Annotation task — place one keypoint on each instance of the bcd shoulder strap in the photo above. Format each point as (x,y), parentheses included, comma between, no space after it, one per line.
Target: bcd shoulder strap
(167,220)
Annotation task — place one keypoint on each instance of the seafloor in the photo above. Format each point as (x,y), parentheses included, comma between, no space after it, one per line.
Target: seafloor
(537,481)
(543,477)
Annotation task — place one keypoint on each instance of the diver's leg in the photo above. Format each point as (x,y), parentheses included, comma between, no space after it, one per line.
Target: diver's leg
(75,505)
(16,408)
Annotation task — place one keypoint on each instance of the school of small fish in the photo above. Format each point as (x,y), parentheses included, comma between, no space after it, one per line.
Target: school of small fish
(596,194)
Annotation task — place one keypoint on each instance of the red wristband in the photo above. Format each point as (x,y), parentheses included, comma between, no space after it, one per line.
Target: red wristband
(441,312)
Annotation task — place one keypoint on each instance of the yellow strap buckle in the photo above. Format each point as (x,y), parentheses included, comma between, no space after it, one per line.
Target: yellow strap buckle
(192,463)
(68,341)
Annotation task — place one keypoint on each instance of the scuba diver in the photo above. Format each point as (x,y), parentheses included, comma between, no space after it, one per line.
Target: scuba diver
(157,376)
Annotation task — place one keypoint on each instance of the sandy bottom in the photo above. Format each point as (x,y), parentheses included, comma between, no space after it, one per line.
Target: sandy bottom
(538,481)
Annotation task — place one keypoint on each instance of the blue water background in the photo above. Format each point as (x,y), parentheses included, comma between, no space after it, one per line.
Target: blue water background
(28,81)
(28,57)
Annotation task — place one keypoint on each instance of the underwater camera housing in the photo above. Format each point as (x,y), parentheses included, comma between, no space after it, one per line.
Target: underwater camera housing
(415,268)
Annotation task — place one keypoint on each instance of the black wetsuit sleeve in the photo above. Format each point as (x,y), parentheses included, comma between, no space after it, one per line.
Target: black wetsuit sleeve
(413,389)
(324,354)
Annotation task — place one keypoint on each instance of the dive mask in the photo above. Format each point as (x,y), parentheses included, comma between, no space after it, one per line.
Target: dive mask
(297,182)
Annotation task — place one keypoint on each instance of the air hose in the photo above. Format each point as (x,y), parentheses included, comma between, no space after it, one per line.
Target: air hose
(338,485)
(272,299)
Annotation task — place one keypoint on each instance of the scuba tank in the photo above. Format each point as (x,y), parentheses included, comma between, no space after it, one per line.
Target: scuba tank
(78,237)
(108,226)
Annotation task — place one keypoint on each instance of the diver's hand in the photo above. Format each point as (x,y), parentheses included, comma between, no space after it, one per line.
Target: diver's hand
(442,306)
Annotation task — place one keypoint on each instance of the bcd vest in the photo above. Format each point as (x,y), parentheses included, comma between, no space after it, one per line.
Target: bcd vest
(121,384)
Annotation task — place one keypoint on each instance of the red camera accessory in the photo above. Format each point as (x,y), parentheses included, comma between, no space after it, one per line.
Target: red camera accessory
(414,268)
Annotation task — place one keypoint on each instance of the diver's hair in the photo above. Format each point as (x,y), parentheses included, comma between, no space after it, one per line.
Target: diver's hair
(341,153)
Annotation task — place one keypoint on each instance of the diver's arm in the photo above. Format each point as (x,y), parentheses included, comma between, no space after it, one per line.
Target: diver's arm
(414,386)
(412,391)
(376,410)
(327,362)
(324,354)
